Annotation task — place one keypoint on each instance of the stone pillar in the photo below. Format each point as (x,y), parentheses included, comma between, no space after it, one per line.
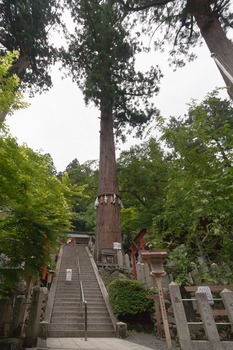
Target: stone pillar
(4,303)
(143,273)
(227,296)
(121,330)
(18,315)
(43,334)
(150,282)
(208,321)
(120,258)
(139,274)
(180,317)
(32,330)
(127,261)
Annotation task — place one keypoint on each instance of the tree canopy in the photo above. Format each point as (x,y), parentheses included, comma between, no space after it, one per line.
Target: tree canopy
(101,60)
(25,26)
(34,207)
(143,179)
(199,195)
(83,180)
(10,99)
(183,23)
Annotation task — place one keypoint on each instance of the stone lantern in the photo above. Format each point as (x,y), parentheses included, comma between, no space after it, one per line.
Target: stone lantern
(155,260)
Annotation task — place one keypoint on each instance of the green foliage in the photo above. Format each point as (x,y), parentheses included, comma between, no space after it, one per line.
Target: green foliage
(198,208)
(82,180)
(34,207)
(128,297)
(217,274)
(142,173)
(25,26)
(10,98)
(100,59)
(175,23)
(180,260)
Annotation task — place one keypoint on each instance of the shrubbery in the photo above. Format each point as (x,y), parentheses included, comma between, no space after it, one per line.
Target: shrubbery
(128,297)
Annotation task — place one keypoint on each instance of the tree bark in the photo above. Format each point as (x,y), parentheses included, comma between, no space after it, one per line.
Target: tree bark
(215,37)
(108,210)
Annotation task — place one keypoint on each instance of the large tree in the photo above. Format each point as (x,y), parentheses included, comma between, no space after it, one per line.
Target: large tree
(100,58)
(84,182)
(25,26)
(34,208)
(143,178)
(184,22)
(198,209)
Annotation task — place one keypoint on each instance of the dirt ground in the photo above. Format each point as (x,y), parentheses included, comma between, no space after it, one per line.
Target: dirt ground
(150,341)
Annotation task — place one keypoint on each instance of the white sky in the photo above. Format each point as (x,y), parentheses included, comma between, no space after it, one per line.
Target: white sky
(59,123)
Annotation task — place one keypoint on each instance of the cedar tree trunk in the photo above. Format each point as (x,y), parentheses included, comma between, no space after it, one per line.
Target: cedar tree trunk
(108,210)
(215,38)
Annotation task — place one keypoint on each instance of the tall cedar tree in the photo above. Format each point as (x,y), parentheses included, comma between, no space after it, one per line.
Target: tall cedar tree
(25,26)
(186,21)
(100,58)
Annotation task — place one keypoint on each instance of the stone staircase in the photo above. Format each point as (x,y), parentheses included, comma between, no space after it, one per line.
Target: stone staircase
(67,318)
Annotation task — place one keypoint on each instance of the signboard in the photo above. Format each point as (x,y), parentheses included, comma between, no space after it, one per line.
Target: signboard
(207,291)
(117,245)
(68,274)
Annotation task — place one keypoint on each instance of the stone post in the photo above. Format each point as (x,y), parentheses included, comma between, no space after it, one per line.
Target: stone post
(150,282)
(180,317)
(18,315)
(138,268)
(121,330)
(208,321)
(227,296)
(127,261)
(120,258)
(143,273)
(4,303)
(32,330)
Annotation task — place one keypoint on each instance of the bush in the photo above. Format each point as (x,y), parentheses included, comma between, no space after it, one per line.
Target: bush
(128,297)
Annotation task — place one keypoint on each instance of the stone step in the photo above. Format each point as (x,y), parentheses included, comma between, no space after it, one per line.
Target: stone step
(73,286)
(80,334)
(95,294)
(62,298)
(67,293)
(80,319)
(63,282)
(79,326)
(67,303)
(65,287)
(66,313)
(67,319)
(67,308)
(80,313)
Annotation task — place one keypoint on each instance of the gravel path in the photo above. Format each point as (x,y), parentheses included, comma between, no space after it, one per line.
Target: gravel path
(150,341)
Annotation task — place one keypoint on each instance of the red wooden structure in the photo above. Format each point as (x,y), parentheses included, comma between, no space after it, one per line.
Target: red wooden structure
(136,245)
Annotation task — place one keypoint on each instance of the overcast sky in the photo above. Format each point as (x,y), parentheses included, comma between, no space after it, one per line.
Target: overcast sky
(59,123)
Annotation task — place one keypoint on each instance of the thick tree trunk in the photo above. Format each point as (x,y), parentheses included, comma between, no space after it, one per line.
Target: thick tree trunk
(215,37)
(108,210)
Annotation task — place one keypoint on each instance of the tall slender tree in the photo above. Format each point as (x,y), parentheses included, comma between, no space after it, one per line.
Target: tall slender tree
(100,57)
(184,22)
